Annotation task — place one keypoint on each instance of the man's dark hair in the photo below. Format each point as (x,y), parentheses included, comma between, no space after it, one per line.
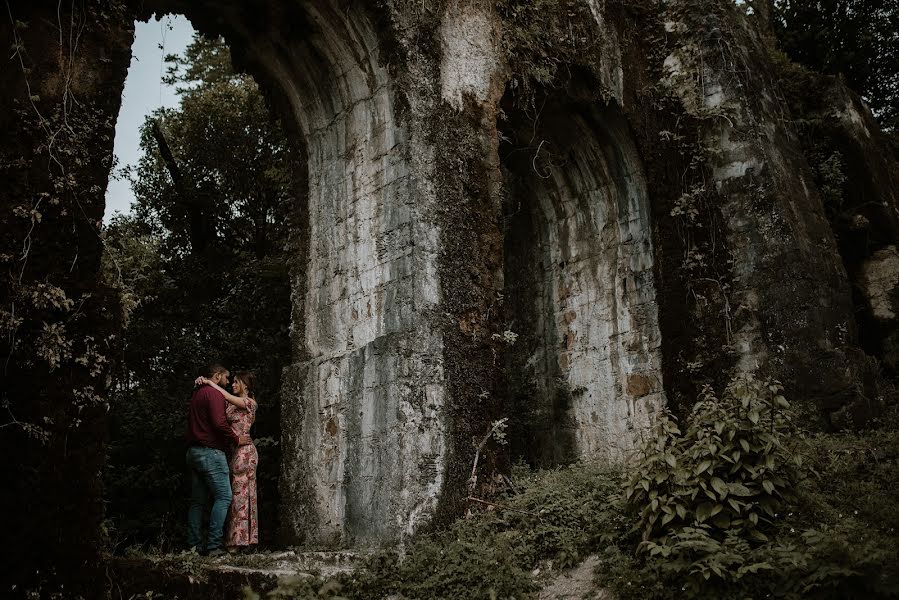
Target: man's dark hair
(212,369)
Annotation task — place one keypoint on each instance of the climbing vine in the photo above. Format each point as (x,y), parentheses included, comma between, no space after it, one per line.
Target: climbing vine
(58,325)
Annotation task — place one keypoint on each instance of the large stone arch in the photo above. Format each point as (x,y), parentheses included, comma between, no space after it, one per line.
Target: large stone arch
(366,438)
(579,283)
(397,336)
(363,438)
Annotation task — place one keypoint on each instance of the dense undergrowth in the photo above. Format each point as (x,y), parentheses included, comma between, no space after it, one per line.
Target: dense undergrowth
(769,512)
(545,519)
(736,502)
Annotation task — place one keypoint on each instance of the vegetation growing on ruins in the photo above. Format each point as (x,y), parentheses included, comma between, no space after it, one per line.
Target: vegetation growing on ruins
(57,326)
(853,39)
(736,501)
(729,496)
(732,507)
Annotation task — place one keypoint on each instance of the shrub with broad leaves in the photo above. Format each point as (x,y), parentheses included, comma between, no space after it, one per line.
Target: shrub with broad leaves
(706,495)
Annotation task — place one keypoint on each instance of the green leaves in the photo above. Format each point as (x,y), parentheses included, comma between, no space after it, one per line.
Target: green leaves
(738,489)
(229,303)
(719,486)
(703,511)
(839,36)
(700,493)
(238,175)
(758,536)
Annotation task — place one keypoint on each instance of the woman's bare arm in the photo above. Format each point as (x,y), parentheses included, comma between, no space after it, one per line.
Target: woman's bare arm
(231,398)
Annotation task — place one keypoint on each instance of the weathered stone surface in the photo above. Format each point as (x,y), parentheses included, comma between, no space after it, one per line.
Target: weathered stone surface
(860,202)
(470,57)
(644,221)
(190,576)
(879,277)
(364,441)
(580,286)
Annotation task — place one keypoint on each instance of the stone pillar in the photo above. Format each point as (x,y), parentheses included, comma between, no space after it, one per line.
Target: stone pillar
(368,432)
(789,310)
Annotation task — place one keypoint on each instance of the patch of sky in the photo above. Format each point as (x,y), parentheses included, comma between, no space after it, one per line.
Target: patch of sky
(144,92)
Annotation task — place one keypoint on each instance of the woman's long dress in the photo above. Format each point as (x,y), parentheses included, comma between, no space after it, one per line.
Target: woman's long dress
(243,526)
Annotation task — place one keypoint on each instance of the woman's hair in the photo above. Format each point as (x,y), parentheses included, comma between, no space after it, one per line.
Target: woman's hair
(248,379)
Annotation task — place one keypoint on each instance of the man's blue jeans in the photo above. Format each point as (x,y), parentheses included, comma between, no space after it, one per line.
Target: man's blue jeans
(209,478)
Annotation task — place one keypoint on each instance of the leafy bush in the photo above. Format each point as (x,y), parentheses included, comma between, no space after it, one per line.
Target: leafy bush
(729,470)
(706,495)
(847,511)
(554,517)
(725,509)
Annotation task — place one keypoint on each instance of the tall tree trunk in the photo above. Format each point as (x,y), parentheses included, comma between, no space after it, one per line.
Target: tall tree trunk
(199,237)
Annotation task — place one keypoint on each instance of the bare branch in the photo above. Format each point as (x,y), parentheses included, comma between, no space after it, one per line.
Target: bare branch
(198,237)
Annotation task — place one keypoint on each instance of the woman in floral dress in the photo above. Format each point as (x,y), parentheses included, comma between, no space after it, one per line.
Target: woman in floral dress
(242,525)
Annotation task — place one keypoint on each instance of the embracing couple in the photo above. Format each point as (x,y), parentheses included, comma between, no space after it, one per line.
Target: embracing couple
(218,424)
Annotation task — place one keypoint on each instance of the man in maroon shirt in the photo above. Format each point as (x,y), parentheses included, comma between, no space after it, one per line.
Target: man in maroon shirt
(209,437)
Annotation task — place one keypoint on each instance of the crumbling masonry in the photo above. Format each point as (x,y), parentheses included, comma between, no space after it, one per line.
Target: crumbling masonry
(573,250)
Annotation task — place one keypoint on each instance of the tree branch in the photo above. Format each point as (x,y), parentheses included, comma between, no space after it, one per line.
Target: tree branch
(473,480)
(198,237)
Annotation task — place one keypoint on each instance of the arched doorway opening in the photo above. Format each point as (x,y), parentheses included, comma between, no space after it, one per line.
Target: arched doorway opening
(585,371)
(201,261)
(362,438)
(363,421)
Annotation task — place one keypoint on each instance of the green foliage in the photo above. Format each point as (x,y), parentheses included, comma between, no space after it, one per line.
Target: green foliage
(853,38)
(235,164)
(543,38)
(555,516)
(832,534)
(825,530)
(848,509)
(545,518)
(728,472)
(206,63)
(301,588)
(831,178)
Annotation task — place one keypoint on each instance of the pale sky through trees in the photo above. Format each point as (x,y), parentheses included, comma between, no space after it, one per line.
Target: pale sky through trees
(144,93)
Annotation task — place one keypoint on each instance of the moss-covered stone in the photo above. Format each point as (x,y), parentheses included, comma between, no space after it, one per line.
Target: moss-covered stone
(407,244)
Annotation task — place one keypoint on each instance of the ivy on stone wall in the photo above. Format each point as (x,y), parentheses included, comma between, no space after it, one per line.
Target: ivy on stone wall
(44,314)
(59,327)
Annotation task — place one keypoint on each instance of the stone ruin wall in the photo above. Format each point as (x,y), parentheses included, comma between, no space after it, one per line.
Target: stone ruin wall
(372,421)
(433,225)
(580,290)
(363,435)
